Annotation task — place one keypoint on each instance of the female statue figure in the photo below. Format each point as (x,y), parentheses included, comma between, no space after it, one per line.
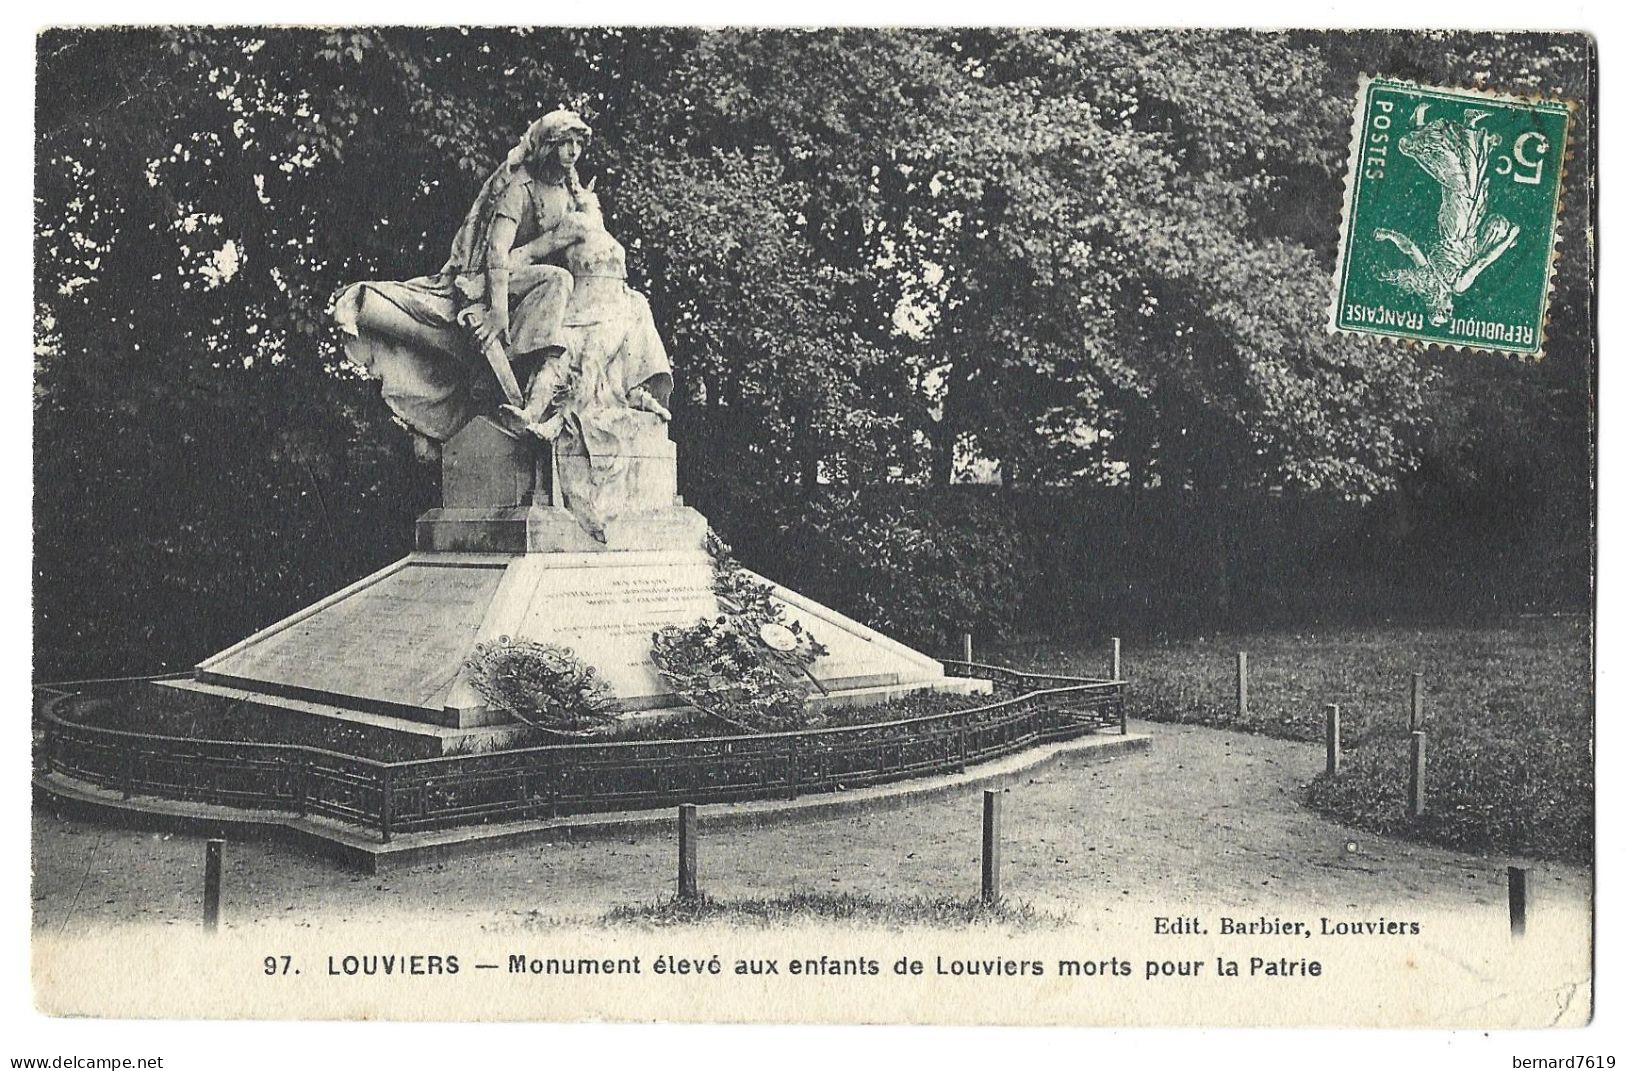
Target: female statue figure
(498,307)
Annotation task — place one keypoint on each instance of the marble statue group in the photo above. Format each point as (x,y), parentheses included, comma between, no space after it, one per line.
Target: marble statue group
(530,322)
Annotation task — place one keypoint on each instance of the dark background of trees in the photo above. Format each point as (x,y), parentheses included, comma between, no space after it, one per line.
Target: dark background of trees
(1115,250)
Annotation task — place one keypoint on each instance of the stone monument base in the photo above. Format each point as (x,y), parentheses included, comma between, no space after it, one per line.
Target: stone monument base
(504,557)
(394,643)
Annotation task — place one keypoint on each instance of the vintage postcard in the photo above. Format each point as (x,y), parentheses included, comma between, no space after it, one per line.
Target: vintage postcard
(819,526)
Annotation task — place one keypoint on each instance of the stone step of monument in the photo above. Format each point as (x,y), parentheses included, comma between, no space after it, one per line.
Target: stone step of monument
(374,735)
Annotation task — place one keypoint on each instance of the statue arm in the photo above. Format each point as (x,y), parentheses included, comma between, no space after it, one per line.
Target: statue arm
(585,218)
(544,246)
(550,243)
(497,261)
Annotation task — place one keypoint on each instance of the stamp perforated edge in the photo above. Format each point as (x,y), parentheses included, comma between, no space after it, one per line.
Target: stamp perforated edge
(1572,107)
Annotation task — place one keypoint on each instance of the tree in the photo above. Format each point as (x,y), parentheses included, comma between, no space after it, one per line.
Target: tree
(201,194)
(1089,258)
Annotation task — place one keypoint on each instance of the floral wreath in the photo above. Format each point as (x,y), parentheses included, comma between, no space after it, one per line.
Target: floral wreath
(749,666)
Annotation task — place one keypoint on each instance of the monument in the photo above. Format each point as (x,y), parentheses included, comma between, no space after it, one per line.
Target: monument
(560,519)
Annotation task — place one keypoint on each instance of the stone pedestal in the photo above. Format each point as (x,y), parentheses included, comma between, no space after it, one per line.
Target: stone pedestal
(506,496)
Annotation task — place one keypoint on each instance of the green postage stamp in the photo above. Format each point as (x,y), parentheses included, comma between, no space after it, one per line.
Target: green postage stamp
(1450,216)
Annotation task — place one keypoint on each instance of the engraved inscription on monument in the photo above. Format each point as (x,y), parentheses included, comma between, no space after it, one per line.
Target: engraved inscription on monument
(608,615)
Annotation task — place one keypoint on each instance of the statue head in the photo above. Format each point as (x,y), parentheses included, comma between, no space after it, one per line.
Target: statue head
(547,134)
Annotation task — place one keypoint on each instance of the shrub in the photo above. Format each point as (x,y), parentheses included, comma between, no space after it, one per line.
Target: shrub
(1489,788)
(923,565)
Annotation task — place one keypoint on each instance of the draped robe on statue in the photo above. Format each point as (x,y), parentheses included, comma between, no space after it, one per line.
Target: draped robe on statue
(432,374)
(615,351)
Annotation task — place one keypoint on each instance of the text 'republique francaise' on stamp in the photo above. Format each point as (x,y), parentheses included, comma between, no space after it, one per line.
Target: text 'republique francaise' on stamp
(1450,216)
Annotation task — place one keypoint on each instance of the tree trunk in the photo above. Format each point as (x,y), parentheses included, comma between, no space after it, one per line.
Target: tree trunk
(1217,511)
(942,453)
(804,447)
(1137,454)
(945,434)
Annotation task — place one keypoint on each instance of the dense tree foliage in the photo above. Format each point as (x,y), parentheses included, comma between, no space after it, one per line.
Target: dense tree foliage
(1088,262)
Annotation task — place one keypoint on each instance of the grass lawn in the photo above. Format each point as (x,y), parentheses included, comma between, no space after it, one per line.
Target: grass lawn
(1507,709)
(798,907)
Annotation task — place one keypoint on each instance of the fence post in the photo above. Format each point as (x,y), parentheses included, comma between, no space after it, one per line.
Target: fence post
(688,835)
(1117,658)
(553,765)
(991,806)
(1419,773)
(211,884)
(1416,702)
(386,806)
(963,748)
(1334,740)
(964,643)
(127,770)
(1518,898)
(1241,685)
(302,784)
(795,766)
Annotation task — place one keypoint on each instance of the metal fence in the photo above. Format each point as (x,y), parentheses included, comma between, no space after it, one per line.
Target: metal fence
(578,778)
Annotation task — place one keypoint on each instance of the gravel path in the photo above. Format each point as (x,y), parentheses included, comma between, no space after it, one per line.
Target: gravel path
(1204,817)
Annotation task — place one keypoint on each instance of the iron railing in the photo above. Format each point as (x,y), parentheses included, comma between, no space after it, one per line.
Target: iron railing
(577,778)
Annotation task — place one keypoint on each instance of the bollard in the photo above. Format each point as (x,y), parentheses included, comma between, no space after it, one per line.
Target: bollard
(1416,702)
(301,784)
(1517,898)
(1419,773)
(1117,658)
(1334,740)
(211,884)
(964,643)
(1241,685)
(688,835)
(991,805)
